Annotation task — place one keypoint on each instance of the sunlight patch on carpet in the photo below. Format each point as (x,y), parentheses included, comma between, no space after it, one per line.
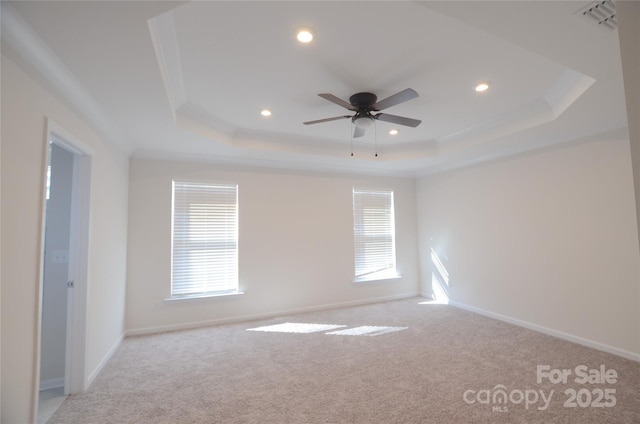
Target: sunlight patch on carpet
(367,330)
(296,327)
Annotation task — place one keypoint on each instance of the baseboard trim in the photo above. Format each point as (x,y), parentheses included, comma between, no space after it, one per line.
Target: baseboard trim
(52,383)
(550,332)
(253,317)
(104,361)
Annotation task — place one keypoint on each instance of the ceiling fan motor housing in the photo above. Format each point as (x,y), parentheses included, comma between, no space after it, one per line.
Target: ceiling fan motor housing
(363,100)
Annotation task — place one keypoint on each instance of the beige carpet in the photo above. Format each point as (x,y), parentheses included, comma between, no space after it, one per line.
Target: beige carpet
(445,367)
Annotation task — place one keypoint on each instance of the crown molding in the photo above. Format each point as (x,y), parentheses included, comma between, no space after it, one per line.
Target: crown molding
(43,64)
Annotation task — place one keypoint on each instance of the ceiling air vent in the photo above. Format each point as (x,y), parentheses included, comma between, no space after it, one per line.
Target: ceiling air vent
(602,12)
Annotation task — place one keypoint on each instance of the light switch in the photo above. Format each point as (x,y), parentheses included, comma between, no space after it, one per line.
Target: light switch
(59,256)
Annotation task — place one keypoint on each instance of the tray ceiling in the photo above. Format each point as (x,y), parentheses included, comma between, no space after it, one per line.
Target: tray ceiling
(189,79)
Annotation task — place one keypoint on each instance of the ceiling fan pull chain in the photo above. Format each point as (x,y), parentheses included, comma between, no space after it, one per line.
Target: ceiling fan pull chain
(375,136)
(350,129)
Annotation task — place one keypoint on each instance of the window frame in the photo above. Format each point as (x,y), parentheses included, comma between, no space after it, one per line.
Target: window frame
(368,195)
(226,220)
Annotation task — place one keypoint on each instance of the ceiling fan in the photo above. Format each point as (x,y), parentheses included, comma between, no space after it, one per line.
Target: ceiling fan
(364,104)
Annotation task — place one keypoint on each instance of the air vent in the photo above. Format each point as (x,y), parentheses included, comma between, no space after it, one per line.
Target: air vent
(602,12)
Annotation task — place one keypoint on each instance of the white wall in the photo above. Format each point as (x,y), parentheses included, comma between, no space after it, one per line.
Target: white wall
(25,109)
(548,239)
(295,244)
(628,15)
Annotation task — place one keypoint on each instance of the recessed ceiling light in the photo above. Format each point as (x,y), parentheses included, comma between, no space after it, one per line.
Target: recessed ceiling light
(393,132)
(265,112)
(483,86)
(304,35)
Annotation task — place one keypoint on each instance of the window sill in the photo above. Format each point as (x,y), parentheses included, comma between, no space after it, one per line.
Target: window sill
(202,296)
(380,277)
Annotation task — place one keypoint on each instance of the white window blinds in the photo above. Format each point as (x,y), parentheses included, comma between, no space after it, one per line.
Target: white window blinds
(374,233)
(205,239)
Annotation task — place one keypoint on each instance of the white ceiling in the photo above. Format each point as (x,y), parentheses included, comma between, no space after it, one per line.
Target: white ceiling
(188,79)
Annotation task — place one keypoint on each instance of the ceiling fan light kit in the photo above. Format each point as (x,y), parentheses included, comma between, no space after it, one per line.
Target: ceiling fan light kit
(363,122)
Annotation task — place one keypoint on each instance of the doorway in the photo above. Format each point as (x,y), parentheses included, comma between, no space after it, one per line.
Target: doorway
(56,267)
(64,271)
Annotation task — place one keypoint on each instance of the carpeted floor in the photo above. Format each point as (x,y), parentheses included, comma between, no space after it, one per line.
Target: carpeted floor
(447,366)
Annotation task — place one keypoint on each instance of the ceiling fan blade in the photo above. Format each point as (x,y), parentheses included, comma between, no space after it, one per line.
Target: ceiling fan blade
(337,100)
(335,118)
(400,120)
(358,132)
(401,97)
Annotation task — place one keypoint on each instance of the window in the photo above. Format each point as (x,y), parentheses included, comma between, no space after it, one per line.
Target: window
(374,234)
(204,247)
